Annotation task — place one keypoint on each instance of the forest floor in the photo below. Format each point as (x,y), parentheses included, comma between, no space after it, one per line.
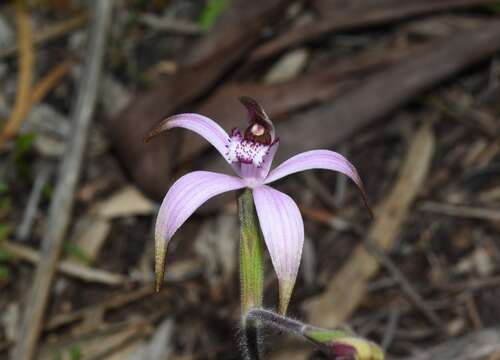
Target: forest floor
(407,90)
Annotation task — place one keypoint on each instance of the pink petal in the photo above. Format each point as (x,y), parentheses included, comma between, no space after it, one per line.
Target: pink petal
(185,196)
(283,230)
(201,125)
(268,159)
(318,159)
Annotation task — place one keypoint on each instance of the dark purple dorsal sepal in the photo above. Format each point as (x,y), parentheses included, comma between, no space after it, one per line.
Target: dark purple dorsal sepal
(261,128)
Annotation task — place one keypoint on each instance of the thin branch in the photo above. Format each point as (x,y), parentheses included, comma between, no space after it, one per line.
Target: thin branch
(24,229)
(38,92)
(170,25)
(62,203)
(462,211)
(25,75)
(49,81)
(50,33)
(392,327)
(406,286)
(69,268)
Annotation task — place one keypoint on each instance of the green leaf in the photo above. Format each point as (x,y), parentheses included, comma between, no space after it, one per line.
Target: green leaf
(4,272)
(251,254)
(5,256)
(24,144)
(5,205)
(4,188)
(4,231)
(211,12)
(75,352)
(47,191)
(75,252)
(493,8)
(22,148)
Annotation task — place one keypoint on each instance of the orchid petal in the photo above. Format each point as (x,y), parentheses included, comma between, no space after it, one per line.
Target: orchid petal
(283,230)
(202,125)
(185,196)
(318,159)
(268,159)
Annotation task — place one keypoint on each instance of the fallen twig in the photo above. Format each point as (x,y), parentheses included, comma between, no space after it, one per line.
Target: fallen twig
(160,345)
(24,229)
(39,91)
(25,72)
(170,25)
(406,286)
(330,219)
(334,121)
(471,285)
(462,211)
(60,209)
(113,302)
(357,20)
(474,346)
(392,327)
(50,33)
(69,268)
(49,81)
(100,340)
(473,313)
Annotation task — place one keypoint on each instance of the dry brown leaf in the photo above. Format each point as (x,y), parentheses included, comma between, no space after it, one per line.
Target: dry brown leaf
(127,202)
(92,229)
(288,66)
(482,344)
(100,344)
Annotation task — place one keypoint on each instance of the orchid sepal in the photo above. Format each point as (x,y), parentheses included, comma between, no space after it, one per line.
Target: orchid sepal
(319,159)
(186,195)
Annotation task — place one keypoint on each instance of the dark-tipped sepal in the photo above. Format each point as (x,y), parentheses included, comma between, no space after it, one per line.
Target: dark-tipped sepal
(261,128)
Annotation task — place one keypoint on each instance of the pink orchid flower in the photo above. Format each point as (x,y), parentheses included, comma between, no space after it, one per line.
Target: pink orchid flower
(250,155)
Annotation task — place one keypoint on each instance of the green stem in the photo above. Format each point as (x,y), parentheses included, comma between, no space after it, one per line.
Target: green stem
(251,254)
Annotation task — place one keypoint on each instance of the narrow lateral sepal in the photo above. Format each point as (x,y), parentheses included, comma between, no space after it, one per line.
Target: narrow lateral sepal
(160,255)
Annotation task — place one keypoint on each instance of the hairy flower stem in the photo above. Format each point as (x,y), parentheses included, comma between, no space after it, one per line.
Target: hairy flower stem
(275,321)
(338,343)
(251,254)
(251,339)
(256,319)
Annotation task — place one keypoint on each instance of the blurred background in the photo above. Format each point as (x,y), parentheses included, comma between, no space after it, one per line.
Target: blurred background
(407,90)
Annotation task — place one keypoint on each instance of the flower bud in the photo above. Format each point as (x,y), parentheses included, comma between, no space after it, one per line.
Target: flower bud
(342,344)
